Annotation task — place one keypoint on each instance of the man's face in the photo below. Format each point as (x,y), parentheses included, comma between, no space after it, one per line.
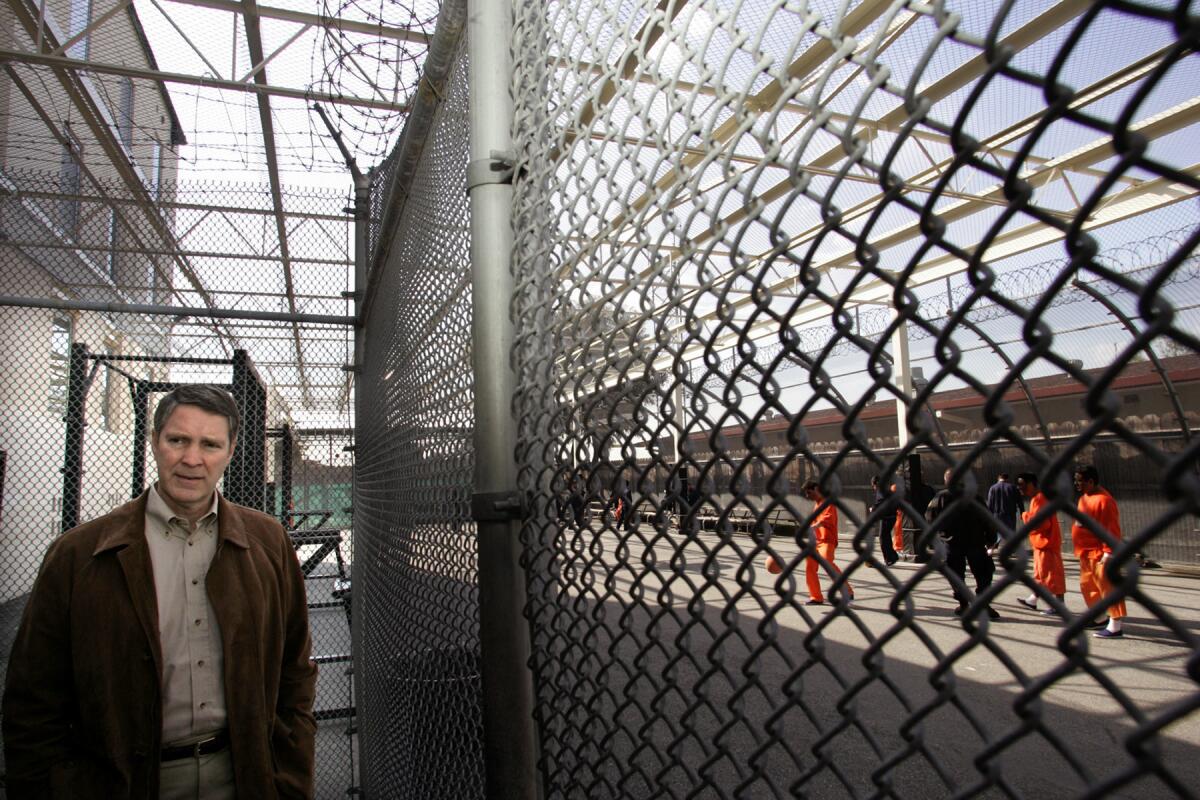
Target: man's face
(192,451)
(811,494)
(1082,484)
(1027,489)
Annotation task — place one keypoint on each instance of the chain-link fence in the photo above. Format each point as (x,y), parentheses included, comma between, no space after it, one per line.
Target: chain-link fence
(80,383)
(416,601)
(765,243)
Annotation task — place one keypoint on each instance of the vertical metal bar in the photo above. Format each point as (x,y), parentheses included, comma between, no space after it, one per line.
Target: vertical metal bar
(358,565)
(141,409)
(244,480)
(902,376)
(285,478)
(509,740)
(77,389)
(362,240)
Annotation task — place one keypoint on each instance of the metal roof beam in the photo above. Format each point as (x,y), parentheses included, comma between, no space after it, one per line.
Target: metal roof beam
(1135,199)
(332,23)
(811,60)
(158,251)
(254,45)
(81,95)
(101,197)
(961,76)
(258,88)
(1131,202)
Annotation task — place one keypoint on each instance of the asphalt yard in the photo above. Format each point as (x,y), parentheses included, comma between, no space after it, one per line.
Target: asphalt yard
(723,664)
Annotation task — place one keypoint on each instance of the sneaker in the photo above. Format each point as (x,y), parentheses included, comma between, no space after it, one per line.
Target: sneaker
(1031,606)
(1107,634)
(1048,612)
(814,602)
(993,613)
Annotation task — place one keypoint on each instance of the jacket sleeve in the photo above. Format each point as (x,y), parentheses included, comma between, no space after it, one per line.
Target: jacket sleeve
(295,727)
(39,704)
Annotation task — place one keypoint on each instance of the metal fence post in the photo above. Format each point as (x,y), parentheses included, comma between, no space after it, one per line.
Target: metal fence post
(509,749)
(285,478)
(141,414)
(244,478)
(901,377)
(77,390)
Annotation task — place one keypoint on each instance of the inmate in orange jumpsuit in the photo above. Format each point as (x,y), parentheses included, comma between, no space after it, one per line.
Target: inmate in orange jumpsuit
(1046,539)
(898,533)
(898,529)
(1090,549)
(825,527)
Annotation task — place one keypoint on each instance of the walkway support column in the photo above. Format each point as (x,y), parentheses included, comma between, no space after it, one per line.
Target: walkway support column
(902,378)
(76,411)
(509,744)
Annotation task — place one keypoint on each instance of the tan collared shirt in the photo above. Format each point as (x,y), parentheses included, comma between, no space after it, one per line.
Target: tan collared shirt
(193,677)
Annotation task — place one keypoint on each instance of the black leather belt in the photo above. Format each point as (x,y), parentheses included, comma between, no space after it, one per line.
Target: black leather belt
(213,744)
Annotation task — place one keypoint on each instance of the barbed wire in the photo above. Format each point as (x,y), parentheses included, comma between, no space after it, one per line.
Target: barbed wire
(385,69)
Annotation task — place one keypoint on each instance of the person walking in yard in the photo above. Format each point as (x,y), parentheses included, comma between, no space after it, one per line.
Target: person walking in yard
(918,495)
(966,527)
(1092,535)
(879,498)
(1004,500)
(1045,536)
(825,530)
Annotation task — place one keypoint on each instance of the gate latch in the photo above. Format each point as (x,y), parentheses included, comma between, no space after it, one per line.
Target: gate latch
(496,506)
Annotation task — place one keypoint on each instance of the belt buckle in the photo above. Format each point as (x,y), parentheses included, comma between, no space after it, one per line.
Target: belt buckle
(196,747)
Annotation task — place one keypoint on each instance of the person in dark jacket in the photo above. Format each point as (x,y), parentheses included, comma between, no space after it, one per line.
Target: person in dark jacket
(1005,502)
(879,497)
(966,527)
(164,649)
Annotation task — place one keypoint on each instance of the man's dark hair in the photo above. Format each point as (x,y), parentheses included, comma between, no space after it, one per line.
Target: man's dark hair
(1002,476)
(204,396)
(1029,478)
(1088,473)
(809,486)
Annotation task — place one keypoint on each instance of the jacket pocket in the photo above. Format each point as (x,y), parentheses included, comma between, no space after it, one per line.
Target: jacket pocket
(86,778)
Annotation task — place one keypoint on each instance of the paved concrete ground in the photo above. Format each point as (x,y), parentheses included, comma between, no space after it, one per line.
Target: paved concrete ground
(723,684)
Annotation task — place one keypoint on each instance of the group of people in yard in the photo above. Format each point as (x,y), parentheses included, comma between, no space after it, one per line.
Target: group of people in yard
(972,533)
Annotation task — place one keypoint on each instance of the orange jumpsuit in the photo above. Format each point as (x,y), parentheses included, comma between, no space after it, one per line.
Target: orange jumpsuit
(825,527)
(1089,548)
(898,529)
(1046,540)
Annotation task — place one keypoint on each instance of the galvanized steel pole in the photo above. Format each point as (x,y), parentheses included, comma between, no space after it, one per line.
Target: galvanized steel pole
(509,740)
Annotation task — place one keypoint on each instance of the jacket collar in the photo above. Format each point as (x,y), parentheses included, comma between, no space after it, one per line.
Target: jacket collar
(127,525)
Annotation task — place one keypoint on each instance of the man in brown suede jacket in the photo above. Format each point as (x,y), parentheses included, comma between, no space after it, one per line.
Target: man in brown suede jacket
(164,650)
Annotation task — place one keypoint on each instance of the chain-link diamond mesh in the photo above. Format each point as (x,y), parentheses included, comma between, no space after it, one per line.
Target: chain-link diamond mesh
(765,243)
(80,383)
(416,584)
